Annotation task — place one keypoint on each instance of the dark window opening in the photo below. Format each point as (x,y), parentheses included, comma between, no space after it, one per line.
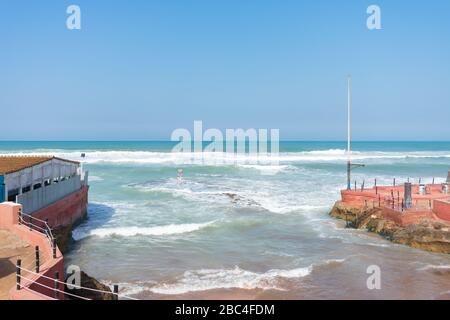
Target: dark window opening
(12,194)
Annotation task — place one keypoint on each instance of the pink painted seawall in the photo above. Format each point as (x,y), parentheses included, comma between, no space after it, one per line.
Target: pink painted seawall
(32,290)
(66,211)
(434,204)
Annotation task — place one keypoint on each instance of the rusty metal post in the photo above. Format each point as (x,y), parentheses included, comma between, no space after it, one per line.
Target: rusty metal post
(54,248)
(56,285)
(37,259)
(18,276)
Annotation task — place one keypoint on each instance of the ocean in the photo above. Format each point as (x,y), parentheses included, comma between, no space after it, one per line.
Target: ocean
(245,230)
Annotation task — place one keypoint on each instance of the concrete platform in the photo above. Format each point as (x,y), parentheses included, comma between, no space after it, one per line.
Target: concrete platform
(11,249)
(434,204)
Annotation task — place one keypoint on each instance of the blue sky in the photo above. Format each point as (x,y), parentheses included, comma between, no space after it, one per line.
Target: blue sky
(140,69)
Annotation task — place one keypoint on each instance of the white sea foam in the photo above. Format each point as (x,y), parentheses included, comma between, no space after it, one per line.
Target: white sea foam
(223,158)
(171,229)
(208,279)
(268,169)
(435,267)
(283,203)
(95,178)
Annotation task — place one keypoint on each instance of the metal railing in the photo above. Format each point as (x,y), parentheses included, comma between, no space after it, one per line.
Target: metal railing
(56,289)
(38,225)
(398,204)
(362,186)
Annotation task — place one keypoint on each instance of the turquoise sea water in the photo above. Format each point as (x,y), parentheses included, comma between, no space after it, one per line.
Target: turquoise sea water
(244,228)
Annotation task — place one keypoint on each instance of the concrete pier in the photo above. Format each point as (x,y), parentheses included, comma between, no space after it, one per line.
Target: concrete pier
(405,204)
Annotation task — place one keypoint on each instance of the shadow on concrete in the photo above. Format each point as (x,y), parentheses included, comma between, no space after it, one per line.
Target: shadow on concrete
(6,267)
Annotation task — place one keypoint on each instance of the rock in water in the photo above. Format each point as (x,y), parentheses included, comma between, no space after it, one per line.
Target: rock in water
(91,283)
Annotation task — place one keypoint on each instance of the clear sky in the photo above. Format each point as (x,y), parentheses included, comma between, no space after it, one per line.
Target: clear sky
(140,69)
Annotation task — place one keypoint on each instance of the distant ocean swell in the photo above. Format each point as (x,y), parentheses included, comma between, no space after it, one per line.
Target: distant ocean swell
(213,158)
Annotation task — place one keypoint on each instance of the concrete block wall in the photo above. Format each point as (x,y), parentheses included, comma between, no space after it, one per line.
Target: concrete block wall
(46,195)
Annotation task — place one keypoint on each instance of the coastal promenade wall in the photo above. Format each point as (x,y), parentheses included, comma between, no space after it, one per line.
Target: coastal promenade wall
(34,286)
(427,206)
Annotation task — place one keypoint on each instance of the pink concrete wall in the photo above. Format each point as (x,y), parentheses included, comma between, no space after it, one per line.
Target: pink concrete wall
(8,220)
(65,211)
(442,209)
(358,197)
(392,215)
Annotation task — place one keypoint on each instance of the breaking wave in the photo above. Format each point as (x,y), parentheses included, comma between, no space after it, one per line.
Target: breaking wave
(268,169)
(208,279)
(237,278)
(279,204)
(171,229)
(264,162)
(435,268)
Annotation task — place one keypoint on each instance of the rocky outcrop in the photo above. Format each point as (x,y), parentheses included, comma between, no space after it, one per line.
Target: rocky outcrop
(427,235)
(345,212)
(91,283)
(63,235)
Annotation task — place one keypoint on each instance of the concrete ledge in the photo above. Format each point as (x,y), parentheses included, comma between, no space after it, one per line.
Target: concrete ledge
(9,220)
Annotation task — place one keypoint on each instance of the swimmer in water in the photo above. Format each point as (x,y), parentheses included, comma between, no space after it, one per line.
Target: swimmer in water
(180,175)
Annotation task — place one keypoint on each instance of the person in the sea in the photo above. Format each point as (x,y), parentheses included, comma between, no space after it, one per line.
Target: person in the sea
(180,175)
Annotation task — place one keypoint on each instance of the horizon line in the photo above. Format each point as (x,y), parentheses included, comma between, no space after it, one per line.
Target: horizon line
(165,140)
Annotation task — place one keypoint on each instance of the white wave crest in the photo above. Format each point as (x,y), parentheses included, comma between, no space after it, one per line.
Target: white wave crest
(435,267)
(208,279)
(95,178)
(171,229)
(223,158)
(268,169)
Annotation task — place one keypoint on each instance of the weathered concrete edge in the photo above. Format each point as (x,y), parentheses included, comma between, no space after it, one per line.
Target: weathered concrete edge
(428,235)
